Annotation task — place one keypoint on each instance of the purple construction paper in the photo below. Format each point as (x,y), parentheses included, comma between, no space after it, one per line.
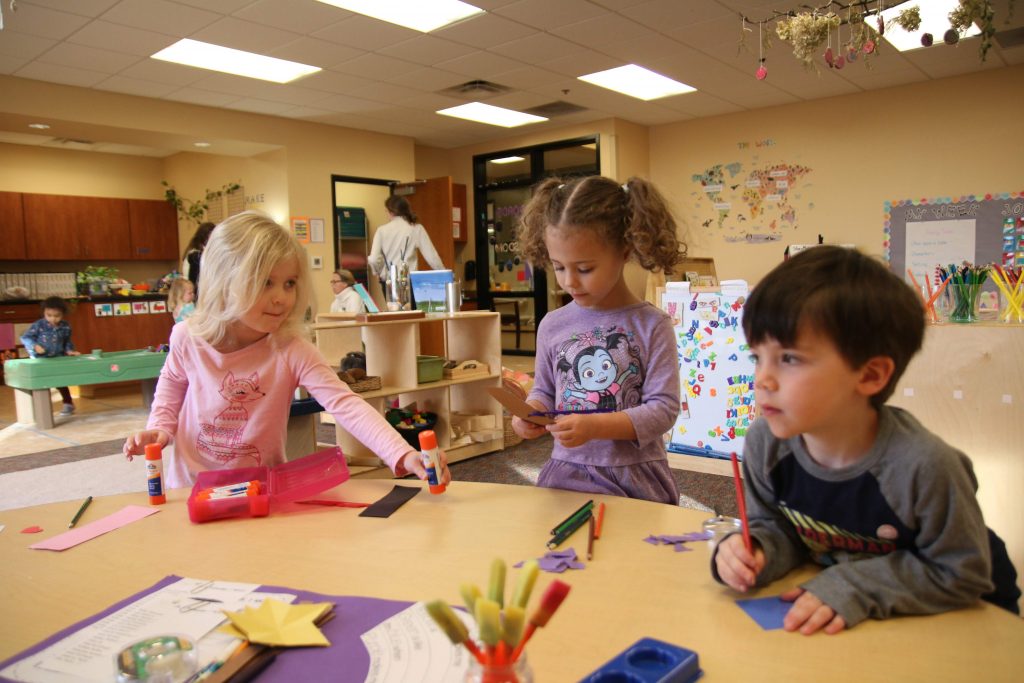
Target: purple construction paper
(769,613)
(345,660)
(683,548)
(653,540)
(686,538)
(557,561)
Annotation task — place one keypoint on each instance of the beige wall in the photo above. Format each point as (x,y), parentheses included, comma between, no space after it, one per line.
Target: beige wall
(951,137)
(45,170)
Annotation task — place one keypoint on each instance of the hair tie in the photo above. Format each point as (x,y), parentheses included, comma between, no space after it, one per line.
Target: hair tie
(560,186)
(625,188)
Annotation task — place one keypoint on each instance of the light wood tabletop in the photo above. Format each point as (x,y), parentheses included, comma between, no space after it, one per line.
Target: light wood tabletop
(424,551)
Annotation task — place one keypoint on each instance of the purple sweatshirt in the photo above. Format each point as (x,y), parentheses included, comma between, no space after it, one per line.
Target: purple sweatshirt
(622,359)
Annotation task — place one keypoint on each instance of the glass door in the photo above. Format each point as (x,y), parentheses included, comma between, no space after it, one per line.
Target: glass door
(503,183)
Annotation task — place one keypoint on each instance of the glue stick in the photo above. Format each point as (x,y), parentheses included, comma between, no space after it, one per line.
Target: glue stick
(431,461)
(155,474)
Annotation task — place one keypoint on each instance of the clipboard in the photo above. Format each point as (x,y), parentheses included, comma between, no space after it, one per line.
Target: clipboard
(518,406)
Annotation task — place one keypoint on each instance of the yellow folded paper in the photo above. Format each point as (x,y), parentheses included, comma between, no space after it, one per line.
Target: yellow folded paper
(280,624)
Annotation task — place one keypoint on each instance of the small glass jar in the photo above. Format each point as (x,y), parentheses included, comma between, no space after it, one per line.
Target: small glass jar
(965,303)
(719,527)
(518,671)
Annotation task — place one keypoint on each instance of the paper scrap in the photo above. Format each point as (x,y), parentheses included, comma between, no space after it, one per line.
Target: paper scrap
(769,613)
(556,561)
(87,532)
(410,647)
(396,498)
(679,541)
(518,406)
(280,624)
(32,530)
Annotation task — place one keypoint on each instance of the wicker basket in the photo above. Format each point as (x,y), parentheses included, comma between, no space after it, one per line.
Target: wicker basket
(369,383)
(511,438)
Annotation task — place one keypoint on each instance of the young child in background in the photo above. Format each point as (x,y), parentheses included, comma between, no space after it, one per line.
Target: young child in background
(50,336)
(605,351)
(836,476)
(181,299)
(226,388)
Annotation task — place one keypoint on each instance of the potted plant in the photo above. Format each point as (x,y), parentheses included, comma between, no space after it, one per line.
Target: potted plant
(95,279)
(194,210)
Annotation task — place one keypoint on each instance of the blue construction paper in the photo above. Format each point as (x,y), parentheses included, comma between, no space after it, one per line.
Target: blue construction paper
(767,612)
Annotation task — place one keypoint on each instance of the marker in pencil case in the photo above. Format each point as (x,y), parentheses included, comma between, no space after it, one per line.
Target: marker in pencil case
(555,413)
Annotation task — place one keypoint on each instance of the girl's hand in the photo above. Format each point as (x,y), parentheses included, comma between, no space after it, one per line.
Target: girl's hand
(809,614)
(136,443)
(39,349)
(737,567)
(413,462)
(572,430)
(527,430)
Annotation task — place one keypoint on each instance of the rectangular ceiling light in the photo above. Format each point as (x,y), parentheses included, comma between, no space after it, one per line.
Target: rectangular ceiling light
(934,20)
(505,160)
(238,62)
(487,113)
(421,15)
(637,82)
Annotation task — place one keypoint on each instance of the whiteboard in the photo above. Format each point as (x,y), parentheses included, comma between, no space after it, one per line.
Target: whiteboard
(935,243)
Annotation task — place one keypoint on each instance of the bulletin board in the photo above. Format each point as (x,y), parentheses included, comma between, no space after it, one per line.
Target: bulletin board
(716,375)
(982,229)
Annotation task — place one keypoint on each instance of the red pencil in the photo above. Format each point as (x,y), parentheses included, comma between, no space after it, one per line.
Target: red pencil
(741,503)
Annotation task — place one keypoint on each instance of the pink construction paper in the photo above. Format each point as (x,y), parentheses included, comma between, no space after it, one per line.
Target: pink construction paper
(87,532)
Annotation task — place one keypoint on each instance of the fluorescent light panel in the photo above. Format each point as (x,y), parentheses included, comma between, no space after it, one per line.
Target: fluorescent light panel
(420,15)
(637,82)
(505,160)
(238,62)
(934,20)
(487,113)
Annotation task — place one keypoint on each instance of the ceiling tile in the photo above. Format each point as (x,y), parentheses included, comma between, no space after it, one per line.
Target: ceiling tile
(16,44)
(165,72)
(547,15)
(347,104)
(537,48)
(220,6)
(662,15)
(300,17)
(381,92)
(119,38)
(604,28)
(426,50)
(484,30)
(292,94)
(244,35)
(429,79)
(315,52)
(136,86)
(206,98)
(160,16)
(86,8)
(581,63)
(527,77)
(42,22)
(480,64)
(259,106)
(84,57)
(308,114)
(55,73)
(376,66)
(334,82)
(365,33)
(9,64)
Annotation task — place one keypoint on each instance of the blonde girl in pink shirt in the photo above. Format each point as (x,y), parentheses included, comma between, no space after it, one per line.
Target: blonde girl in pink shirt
(225,391)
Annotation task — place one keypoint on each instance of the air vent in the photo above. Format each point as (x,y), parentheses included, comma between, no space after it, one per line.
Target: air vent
(475,90)
(554,109)
(1012,38)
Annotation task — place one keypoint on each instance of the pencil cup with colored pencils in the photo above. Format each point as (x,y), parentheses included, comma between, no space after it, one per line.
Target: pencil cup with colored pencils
(518,671)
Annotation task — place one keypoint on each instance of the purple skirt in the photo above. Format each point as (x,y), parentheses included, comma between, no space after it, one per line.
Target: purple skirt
(645,481)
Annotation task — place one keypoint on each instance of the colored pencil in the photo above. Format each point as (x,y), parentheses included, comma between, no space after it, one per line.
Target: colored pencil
(558,527)
(741,502)
(568,531)
(590,539)
(600,520)
(78,515)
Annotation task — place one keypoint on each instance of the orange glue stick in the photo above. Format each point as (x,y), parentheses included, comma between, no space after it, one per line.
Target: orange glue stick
(155,474)
(431,461)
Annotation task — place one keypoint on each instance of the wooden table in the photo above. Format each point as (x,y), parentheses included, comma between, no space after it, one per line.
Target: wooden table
(425,550)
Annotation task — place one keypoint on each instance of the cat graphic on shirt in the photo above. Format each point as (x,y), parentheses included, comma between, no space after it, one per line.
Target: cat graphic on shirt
(222,440)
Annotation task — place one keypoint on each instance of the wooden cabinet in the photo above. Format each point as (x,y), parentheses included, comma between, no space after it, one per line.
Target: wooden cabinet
(12,227)
(153,227)
(66,228)
(391,350)
(117,333)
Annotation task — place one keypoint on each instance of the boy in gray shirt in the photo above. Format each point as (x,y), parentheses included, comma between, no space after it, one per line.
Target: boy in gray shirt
(835,475)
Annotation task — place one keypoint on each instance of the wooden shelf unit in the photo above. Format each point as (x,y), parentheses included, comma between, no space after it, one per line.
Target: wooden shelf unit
(391,348)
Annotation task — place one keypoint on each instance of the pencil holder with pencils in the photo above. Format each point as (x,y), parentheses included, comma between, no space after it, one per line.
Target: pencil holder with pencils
(964,288)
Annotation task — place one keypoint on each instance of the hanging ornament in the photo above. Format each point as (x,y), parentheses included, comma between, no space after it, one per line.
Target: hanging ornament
(927,39)
(869,47)
(762,70)
(951,37)
(829,57)
(840,60)
(881,21)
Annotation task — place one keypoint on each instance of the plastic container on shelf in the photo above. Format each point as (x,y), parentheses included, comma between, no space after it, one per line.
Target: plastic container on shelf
(285,483)
(429,368)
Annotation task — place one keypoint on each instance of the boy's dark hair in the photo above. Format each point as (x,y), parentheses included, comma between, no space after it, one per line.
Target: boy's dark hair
(851,298)
(55,303)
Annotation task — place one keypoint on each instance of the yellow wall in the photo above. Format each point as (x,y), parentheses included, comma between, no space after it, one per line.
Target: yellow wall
(45,170)
(951,137)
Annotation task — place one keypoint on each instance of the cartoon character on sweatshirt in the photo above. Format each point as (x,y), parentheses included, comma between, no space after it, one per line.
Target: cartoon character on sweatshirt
(222,440)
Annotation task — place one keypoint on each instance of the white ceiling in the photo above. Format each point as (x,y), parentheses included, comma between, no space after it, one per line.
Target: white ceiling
(381,77)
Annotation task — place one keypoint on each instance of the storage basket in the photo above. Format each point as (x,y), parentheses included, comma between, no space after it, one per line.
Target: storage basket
(511,438)
(369,383)
(411,434)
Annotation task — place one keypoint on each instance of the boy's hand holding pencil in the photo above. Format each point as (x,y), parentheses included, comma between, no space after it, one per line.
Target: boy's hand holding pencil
(737,566)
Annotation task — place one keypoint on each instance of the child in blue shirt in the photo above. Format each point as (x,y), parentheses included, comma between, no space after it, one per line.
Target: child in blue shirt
(50,336)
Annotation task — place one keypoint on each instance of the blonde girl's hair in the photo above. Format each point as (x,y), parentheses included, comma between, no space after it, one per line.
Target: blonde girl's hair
(236,264)
(633,215)
(176,294)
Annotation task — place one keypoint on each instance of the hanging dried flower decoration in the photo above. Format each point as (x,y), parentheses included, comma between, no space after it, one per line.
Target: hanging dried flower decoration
(806,32)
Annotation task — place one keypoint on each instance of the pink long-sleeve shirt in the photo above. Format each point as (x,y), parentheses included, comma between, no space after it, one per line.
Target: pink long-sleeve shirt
(229,410)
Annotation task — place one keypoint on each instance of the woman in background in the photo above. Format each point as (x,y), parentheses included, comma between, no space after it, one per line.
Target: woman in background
(397,240)
(194,253)
(346,298)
